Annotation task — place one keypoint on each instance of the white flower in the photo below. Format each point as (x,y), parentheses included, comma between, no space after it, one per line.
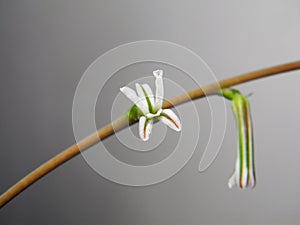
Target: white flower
(151,106)
(244,173)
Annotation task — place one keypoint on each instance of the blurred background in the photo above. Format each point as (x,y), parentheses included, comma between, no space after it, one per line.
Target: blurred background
(46,46)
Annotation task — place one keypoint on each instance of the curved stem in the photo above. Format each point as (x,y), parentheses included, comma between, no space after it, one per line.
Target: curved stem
(122,122)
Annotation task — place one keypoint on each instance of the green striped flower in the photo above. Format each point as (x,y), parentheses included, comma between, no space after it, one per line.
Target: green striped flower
(244,173)
(148,108)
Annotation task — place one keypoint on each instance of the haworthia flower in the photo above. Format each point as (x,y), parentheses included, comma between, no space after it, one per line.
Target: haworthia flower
(148,108)
(244,173)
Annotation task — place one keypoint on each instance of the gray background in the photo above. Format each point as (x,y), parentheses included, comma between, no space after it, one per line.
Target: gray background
(45,46)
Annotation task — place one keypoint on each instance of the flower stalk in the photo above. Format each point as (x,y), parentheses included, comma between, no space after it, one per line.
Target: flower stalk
(122,122)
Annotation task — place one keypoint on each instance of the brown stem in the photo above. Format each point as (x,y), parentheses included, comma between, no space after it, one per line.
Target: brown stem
(122,122)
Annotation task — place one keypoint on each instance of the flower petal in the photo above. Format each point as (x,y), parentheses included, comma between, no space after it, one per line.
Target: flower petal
(169,118)
(232,182)
(131,94)
(139,90)
(145,127)
(159,95)
(234,179)
(158,73)
(145,93)
(149,92)
(142,96)
(250,150)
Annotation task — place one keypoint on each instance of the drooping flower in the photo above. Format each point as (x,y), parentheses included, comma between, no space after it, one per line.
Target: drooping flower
(244,173)
(150,106)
